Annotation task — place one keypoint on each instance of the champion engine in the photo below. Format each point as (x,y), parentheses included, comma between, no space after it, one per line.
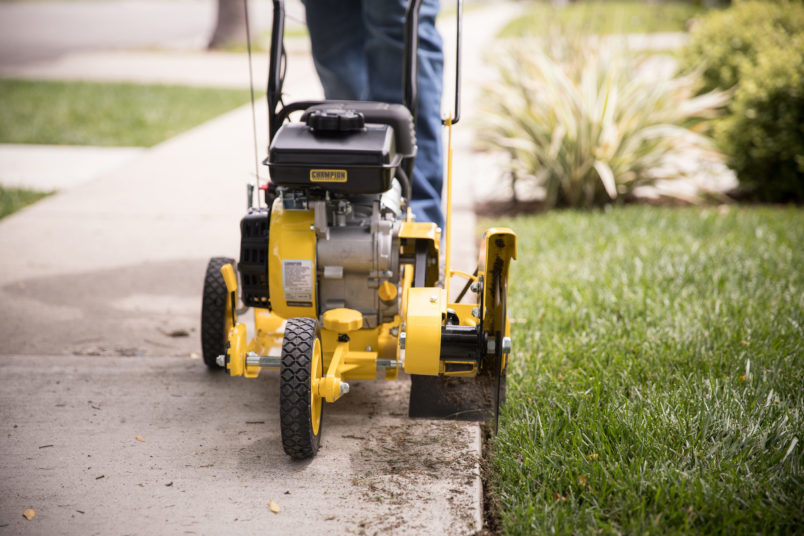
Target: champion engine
(335,208)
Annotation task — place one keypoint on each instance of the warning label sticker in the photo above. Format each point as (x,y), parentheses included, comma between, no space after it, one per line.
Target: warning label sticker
(297,281)
(328,175)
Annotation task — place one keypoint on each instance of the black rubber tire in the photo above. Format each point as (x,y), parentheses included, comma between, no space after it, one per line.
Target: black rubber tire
(501,301)
(213,312)
(295,383)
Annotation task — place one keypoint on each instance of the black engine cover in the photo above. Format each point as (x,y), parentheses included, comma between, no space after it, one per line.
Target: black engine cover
(334,152)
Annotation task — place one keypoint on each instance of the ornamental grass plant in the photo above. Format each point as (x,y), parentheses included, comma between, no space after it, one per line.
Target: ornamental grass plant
(589,122)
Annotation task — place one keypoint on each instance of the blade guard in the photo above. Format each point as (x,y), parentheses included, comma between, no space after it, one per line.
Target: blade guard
(426,305)
(496,253)
(471,399)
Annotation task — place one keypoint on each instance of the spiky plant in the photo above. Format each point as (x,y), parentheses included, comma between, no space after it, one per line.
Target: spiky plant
(589,122)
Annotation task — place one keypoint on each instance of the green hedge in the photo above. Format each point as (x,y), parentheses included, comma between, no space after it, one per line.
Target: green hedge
(757,49)
(764,135)
(724,43)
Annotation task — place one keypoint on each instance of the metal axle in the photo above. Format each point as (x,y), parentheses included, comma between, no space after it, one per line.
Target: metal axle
(270,361)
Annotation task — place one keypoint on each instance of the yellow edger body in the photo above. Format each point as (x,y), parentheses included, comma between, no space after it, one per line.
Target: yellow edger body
(343,283)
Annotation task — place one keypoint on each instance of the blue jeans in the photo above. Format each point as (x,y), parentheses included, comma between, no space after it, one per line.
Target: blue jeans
(358,52)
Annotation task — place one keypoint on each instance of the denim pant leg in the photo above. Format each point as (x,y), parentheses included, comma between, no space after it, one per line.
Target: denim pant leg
(428,171)
(336,33)
(338,40)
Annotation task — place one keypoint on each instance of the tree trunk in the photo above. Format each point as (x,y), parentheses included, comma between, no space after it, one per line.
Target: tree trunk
(230,26)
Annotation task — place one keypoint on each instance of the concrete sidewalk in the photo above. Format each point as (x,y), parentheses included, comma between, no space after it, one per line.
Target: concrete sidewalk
(33,32)
(103,276)
(210,459)
(57,167)
(100,299)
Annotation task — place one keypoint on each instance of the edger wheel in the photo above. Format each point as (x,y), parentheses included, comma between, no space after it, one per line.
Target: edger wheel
(500,296)
(300,406)
(216,314)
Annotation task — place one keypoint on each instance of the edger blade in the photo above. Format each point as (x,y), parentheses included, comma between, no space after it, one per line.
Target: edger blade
(454,398)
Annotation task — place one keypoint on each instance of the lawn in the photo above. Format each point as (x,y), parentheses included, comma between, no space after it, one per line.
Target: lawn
(86,113)
(604,18)
(13,199)
(657,378)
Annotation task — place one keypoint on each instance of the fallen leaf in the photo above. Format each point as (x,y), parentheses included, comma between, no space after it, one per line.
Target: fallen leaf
(742,378)
(139,438)
(593,456)
(582,480)
(329,518)
(744,343)
(29,514)
(176,333)
(274,507)
(169,484)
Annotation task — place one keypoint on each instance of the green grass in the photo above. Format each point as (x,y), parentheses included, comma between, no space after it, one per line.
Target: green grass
(657,381)
(604,18)
(84,113)
(14,199)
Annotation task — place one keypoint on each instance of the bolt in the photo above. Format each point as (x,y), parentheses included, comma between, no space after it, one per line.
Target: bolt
(402,338)
(368,348)
(476,312)
(476,287)
(506,345)
(221,360)
(434,299)
(344,388)
(492,346)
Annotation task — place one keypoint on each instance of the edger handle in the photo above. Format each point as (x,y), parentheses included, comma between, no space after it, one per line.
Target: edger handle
(410,72)
(411,64)
(411,59)
(457,110)
(274,68)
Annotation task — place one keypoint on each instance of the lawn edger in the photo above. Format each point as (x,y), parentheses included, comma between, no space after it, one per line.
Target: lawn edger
(344,284)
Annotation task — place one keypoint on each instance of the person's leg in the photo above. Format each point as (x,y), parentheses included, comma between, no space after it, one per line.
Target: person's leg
(384,23)
(338,40)
(429,162)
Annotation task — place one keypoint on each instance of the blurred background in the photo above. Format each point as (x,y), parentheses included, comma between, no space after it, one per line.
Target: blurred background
(57,57)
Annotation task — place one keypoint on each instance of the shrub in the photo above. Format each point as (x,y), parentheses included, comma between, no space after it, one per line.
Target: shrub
(594,127)
(726,42)
(757,48)
(764,135)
